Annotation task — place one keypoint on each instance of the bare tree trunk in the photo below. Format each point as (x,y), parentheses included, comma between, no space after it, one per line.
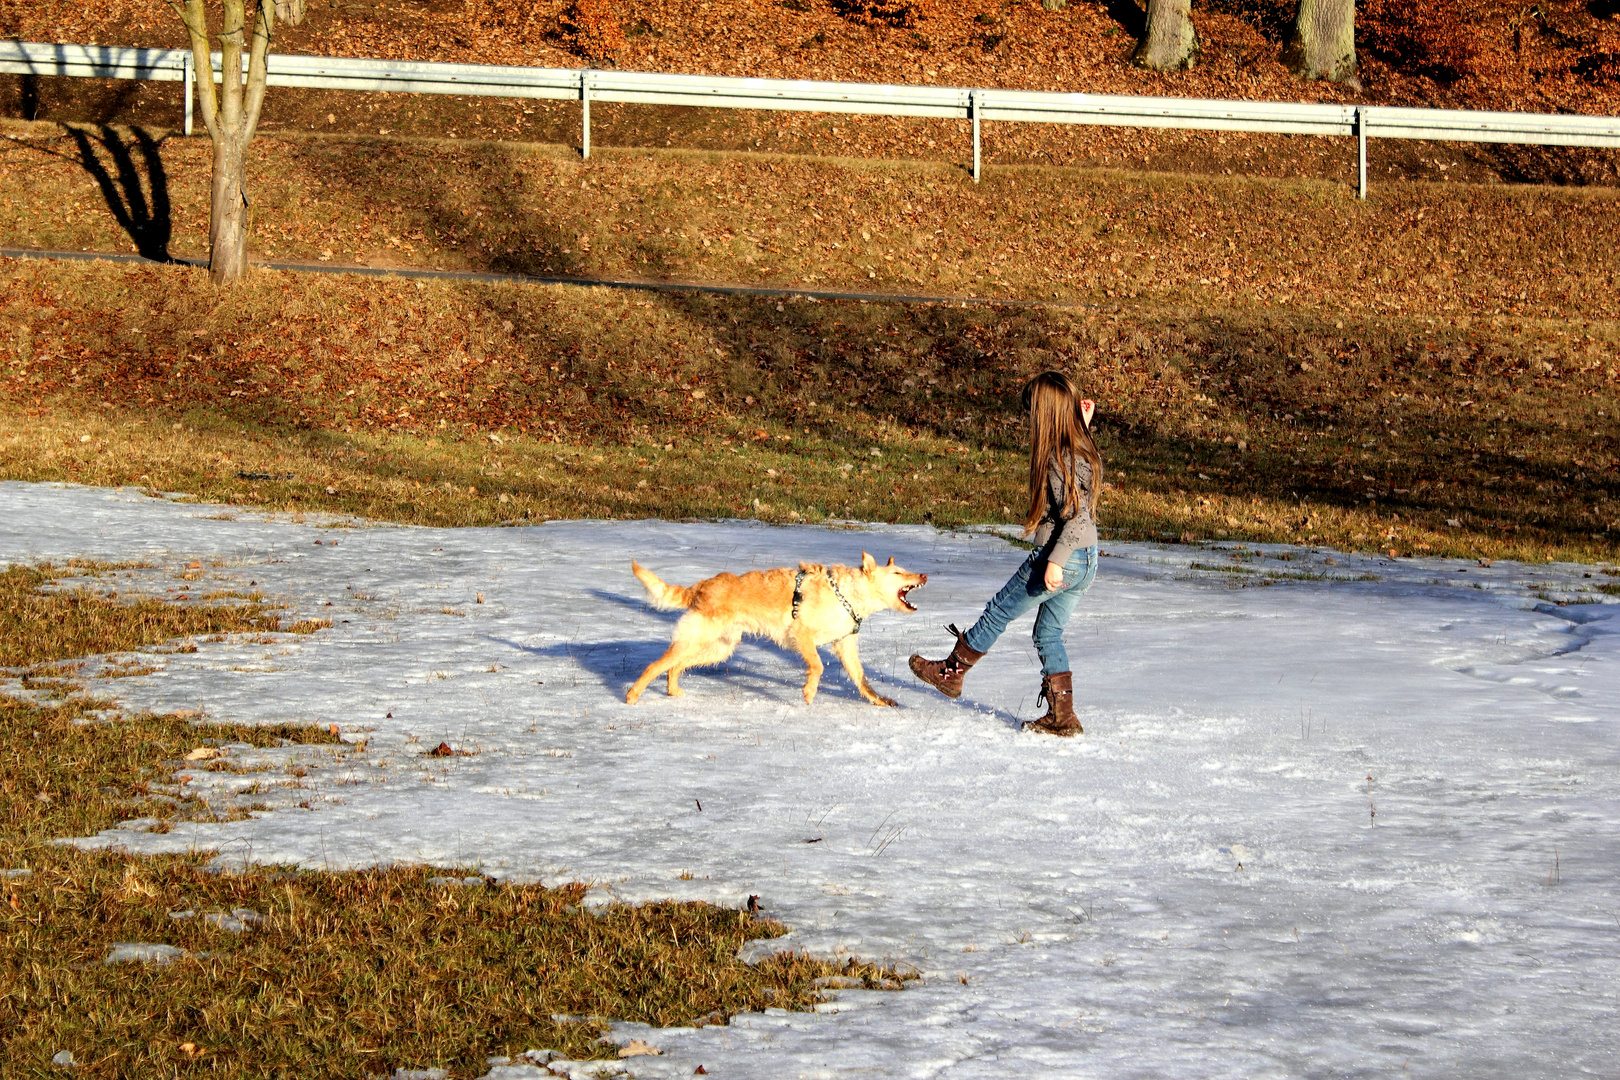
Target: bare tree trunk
(227,217)
(1170,41)
(1323,45)
(232,115)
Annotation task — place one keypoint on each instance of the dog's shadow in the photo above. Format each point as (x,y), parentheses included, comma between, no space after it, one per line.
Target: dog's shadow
(619,663)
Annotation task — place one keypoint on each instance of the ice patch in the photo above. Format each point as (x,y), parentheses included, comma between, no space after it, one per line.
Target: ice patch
(124,952)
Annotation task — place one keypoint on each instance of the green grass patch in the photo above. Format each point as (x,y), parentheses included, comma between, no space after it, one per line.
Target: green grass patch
(40,626)
(1314,575)
(74,771)
(355,974)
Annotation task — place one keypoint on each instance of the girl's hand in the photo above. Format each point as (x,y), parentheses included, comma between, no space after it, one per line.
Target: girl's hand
(1054,577)
(1087,407)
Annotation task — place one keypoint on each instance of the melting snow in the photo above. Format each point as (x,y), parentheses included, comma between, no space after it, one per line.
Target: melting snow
(1325,827)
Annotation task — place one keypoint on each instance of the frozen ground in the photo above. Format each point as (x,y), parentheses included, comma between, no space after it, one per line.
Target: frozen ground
(1329,827)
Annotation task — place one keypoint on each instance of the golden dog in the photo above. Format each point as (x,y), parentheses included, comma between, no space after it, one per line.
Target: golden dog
(833,601)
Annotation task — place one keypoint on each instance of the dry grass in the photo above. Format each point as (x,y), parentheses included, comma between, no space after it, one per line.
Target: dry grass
(349,973)
(40,627)
(1430,372)
(1361,431)
(354,974)
(1454,251)
(70,773)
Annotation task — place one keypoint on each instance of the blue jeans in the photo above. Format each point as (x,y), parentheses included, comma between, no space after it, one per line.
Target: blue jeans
(1025,590)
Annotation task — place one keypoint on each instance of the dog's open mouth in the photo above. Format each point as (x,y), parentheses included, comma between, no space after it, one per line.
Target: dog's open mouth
(904,595)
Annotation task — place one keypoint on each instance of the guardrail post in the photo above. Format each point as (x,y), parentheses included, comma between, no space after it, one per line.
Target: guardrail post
(973,110)
(189,79)
(1361,151)
(585,114)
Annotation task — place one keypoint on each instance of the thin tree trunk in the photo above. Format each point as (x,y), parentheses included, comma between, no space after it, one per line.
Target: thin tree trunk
(1323,45)
(227,219)
(1169,41)
(231,114)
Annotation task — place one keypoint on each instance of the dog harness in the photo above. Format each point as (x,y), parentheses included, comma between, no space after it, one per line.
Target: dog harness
(798,597)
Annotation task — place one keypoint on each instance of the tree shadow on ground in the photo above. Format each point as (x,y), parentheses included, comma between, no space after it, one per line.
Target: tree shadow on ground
(500,188)
(141,210)
(1129,15)
(134,185)
(1571,166)
(1274,19)
(74,100)
(28,97)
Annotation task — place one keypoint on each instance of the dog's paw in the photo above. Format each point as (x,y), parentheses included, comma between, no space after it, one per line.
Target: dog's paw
(882,701)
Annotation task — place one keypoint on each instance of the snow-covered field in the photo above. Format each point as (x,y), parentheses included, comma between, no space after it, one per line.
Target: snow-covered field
(1329,827)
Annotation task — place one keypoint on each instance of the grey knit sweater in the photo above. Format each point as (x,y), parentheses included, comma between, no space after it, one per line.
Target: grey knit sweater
(1064,530)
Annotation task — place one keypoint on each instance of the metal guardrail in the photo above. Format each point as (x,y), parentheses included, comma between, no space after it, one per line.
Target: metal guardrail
(871,99)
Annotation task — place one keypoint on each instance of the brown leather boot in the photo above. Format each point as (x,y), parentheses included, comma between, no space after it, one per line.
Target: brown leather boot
(946,675)
(1058,692)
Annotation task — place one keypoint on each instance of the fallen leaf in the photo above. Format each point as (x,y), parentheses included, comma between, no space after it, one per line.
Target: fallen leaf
(442,750)
(202,753)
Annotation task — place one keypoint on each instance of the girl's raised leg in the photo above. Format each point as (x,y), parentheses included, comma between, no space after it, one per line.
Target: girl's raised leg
(1023,591)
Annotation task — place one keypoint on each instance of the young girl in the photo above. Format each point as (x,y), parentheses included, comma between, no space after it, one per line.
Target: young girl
(1065,475)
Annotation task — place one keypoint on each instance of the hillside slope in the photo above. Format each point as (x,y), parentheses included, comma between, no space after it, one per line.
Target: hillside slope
(1449,386)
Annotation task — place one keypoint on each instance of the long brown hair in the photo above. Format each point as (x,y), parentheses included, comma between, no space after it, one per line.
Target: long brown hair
(1058,433)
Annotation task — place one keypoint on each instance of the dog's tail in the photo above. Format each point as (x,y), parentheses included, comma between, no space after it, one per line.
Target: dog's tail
(664,596)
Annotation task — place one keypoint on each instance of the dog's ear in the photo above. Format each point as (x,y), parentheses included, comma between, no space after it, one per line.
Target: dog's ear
(891,560)
(867,562)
